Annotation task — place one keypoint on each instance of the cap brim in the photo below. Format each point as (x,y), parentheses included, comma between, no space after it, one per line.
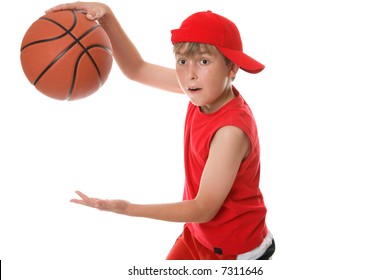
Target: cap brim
(244,61)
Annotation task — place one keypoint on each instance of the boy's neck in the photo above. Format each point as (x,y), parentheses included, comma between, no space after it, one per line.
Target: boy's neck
(225,98)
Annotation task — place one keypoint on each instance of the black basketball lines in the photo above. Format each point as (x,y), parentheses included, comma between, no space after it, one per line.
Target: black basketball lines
(77,41)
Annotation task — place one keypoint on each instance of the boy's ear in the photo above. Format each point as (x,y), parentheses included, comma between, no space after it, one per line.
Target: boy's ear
(233,70)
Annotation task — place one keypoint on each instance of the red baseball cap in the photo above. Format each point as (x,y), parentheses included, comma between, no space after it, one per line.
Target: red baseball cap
(210,28)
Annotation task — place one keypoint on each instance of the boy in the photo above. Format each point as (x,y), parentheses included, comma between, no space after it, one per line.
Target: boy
(222,208)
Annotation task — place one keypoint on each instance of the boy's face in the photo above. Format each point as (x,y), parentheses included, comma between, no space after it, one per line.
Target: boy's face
(205,78)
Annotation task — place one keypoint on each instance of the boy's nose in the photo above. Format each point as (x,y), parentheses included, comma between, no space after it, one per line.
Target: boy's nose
(191,73)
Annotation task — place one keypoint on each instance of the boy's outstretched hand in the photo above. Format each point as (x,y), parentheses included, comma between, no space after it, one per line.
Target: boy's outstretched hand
(112,205)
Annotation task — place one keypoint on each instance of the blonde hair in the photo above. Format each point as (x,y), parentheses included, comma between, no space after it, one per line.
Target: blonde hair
(191,48)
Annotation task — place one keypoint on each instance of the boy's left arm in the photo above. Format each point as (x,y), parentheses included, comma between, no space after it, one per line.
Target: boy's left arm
(229,147)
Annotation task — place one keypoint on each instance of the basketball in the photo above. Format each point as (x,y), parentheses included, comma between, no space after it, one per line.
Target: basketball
(66,56)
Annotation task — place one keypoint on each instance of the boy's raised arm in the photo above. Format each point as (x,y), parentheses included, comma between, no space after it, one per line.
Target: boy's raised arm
(125,53)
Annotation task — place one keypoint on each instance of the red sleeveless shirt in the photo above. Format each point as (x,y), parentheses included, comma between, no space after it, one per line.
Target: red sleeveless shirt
(239,226)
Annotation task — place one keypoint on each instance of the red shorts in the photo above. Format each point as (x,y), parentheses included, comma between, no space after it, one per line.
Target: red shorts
(188,248)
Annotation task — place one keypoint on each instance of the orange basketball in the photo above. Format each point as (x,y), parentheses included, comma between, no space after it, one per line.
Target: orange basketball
(66,56)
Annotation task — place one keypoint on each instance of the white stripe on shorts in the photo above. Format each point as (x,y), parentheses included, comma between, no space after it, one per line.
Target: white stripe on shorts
(259,251)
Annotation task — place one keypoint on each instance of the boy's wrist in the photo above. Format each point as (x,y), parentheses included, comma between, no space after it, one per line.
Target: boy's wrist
(108,15)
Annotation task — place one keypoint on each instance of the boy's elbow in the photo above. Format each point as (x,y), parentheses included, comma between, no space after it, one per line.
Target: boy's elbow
(205,214)
(207,219)
(204,219)
(132,71)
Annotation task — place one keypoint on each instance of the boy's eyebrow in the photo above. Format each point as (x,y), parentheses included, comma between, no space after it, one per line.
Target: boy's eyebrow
(193,53)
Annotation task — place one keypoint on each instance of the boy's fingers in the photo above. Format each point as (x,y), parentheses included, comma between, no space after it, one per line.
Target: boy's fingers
(91,14)
(83,196)
(69,6)
(79,201)
(87,201)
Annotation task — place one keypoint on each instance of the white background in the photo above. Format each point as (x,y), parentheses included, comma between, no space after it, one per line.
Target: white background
(322,109)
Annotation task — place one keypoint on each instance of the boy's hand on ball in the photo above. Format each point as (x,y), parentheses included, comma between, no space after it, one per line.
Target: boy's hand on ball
(93,10)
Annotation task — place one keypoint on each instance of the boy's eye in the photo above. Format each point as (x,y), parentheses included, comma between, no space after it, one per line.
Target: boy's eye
(181,61)
(204,62)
